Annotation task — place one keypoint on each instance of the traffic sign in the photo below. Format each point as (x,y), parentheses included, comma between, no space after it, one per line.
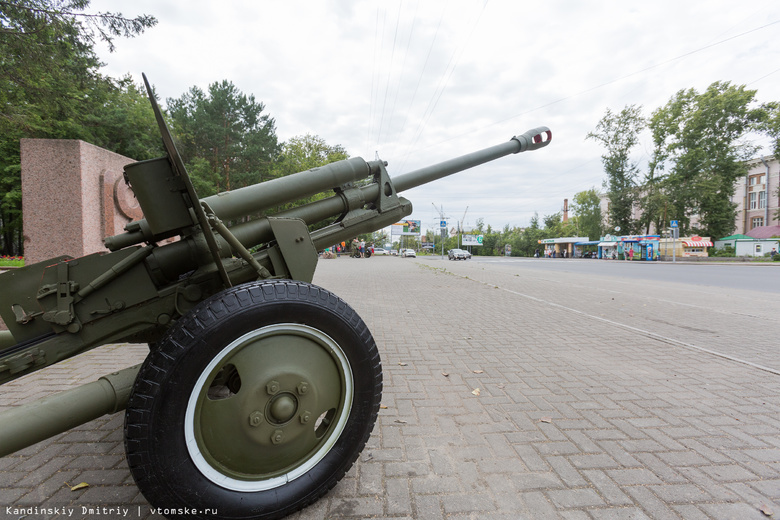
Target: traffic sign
(443,224)
(675,224)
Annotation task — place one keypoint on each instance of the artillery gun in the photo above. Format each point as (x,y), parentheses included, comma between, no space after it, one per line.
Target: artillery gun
(260,389)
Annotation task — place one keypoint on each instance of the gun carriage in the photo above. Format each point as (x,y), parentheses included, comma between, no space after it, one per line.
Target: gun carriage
(260,389)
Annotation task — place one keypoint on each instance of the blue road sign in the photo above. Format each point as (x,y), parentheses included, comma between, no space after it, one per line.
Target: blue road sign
(443,224)
(675,224)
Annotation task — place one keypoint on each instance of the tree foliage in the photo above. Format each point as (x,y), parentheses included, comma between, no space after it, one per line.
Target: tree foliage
(524,241)
(305,152)
(619,134)
(587,219)
(699,144)
(22,18)
(50,87)
(224,136)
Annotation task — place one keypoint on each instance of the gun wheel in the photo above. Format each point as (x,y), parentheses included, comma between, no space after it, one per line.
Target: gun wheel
(255,404)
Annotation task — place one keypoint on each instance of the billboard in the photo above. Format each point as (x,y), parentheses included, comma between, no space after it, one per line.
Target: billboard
(406,227)
(472,240)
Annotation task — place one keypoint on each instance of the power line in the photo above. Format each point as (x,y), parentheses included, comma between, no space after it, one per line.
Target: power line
(610,82)
(443,82)
(641,71)
(389,72)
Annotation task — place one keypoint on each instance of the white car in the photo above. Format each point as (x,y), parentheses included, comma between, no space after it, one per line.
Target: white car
(409,253)
(381,251)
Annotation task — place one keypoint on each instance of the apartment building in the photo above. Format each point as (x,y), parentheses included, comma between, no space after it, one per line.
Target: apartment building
(755,195)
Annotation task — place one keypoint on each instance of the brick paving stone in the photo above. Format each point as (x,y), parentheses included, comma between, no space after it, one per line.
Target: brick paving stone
(607,488)
(575,498)
(625,513)
(579,417)
(468,503)
(398,497)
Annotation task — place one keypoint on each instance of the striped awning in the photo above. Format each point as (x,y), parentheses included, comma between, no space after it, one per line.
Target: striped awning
(697,243)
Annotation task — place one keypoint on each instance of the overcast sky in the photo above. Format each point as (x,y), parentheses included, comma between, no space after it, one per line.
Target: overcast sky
(418,82)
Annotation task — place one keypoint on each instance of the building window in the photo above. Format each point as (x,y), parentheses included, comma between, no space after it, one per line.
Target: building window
(757,222)
(752,199)
(761,199)
(757,179)
(758,248)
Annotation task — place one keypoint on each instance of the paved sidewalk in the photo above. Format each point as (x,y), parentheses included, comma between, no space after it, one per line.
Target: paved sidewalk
(577,415)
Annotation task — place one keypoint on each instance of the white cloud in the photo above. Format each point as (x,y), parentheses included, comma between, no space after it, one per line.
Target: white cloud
(422,81)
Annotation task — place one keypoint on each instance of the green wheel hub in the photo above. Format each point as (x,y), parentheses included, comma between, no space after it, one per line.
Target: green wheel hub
(268,407)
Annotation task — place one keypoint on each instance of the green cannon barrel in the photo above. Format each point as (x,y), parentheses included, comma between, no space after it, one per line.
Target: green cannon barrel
(256,198)
(253,199)
(259,197)
(530,140)
(258,231)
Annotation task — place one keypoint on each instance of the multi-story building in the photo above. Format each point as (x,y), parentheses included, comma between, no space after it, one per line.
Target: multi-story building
(756,195)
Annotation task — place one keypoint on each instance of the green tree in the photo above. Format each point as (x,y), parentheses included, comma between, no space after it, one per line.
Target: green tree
(23,18)
(586,207)
(305,152)
(653,202)
(50,86)
(228,130)
(699,143)
(619,134)
(122,120)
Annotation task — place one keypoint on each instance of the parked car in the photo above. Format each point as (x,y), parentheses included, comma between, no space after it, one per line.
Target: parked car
(381,251)
(458,254)
(408,253)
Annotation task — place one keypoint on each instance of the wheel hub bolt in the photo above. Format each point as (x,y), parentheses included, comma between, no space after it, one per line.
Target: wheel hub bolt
(305,417)
(255,418)
(303,387)
(272,387)
(277,437)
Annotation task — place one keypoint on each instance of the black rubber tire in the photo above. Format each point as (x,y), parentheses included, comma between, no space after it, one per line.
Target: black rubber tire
(155,417)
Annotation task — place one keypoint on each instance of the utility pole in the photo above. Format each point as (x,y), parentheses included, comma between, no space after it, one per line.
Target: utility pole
(460,225)
(443,226)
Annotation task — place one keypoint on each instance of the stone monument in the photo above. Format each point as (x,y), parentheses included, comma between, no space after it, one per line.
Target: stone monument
(73,196)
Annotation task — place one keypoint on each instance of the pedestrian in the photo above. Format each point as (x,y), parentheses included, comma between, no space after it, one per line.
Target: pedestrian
(631,253)
(362,249)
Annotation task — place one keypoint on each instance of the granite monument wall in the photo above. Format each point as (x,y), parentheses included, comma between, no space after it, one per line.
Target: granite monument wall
(73,196)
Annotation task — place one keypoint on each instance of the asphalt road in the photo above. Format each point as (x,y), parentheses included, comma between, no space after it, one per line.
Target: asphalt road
(756,276)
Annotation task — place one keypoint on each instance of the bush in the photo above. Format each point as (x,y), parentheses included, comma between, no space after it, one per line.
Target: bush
(726,250)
